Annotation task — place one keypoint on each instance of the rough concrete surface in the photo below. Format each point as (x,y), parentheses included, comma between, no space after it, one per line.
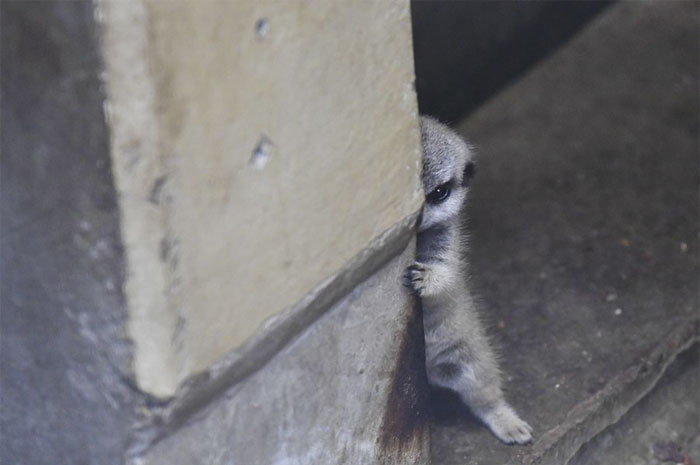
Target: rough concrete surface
(584,222)
(350,390)
(670,413)
(65,395)
(264,163)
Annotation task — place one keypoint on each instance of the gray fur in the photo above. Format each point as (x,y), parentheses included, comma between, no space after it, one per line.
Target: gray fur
(458,354)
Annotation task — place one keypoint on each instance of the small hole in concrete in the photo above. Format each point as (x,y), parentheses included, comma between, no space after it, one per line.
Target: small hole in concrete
(156,196)
(261,28)
(261,152)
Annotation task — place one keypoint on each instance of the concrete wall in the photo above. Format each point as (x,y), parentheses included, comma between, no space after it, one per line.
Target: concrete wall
(65,397)
(206,211)
(258,147)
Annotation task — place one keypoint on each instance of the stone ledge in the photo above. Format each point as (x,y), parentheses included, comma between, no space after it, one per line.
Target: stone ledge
(605,408)
(669,413)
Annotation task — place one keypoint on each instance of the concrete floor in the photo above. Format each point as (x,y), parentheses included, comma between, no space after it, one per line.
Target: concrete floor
(584,224)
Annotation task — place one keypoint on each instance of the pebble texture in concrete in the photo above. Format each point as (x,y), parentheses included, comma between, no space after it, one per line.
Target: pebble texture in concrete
(351,389)
(584,221)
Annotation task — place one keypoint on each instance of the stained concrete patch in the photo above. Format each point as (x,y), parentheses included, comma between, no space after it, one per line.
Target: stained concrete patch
(406,410)
(351,389)
(584,222)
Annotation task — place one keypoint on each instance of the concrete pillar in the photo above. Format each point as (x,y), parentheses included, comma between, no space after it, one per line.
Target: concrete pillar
(222,245)
(254,157)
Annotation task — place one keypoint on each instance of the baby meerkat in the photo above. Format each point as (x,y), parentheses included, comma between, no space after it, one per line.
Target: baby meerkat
(458,355)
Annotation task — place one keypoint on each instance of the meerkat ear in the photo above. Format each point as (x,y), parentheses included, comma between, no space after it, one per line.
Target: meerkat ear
(468,174)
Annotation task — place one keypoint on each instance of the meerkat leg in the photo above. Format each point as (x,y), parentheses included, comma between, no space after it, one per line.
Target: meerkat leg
(459,356)
(481,391)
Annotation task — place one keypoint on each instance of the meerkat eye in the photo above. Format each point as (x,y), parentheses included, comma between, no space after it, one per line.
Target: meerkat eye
(439,194)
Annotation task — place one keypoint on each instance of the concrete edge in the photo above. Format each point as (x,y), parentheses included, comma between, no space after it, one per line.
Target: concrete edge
(197,392)
(589,418)
(133,137)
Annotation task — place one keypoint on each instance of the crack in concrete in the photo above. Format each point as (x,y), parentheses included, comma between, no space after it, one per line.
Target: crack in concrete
(589,418)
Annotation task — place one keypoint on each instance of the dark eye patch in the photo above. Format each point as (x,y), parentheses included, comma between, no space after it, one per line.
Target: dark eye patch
(468,174)
(440,193)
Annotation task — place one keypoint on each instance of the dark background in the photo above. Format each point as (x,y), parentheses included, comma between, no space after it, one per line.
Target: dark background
(466,51)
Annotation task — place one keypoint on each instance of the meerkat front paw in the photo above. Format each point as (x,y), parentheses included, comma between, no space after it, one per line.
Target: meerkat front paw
(426,279)
(507,425)
(414,278)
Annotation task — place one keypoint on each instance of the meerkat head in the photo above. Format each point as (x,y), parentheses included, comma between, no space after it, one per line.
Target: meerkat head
(448,166)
